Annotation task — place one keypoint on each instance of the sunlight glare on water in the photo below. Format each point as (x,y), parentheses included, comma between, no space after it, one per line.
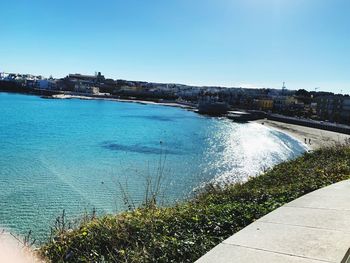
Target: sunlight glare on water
(248,150)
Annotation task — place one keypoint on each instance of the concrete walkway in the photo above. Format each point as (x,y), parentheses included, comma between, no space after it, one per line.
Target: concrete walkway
(313,228)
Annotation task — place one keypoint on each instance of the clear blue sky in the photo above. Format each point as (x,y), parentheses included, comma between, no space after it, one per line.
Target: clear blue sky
(258,43)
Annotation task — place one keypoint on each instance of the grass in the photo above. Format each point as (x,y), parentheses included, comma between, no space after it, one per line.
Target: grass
(187,230)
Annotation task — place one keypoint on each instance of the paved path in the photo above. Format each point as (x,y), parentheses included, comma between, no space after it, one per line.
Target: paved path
(313,228)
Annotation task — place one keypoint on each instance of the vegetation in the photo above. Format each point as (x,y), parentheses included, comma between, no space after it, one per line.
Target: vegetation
(187,230)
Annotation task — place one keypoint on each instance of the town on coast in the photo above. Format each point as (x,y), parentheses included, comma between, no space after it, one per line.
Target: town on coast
(316,110)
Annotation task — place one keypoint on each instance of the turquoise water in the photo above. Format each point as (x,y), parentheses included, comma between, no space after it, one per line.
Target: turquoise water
(75,154)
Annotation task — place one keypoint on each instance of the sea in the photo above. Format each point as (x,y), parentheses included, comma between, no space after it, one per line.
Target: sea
(96,155)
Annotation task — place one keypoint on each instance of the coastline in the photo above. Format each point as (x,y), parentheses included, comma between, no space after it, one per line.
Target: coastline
(84,97)
(319,138)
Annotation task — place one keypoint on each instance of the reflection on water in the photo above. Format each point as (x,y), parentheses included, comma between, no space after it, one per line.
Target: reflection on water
(245,150)
(73,155)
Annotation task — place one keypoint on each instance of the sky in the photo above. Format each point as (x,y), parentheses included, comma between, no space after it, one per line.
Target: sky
(233,43)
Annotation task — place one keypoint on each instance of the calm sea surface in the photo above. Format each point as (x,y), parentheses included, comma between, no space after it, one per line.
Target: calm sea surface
(74,155)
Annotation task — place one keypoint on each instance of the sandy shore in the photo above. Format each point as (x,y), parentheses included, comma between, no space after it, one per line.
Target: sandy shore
(319,138)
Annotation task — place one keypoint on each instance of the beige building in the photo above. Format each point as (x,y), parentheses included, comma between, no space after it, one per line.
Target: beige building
(264,104)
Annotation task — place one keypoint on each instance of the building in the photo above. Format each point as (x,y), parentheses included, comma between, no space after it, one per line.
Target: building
(334,108)
(85,87)
(83,83)
(282,103)
(264,104)
(131,88)
(48,84)
(93,79)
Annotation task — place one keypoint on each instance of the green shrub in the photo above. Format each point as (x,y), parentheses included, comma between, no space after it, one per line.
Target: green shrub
(187,230)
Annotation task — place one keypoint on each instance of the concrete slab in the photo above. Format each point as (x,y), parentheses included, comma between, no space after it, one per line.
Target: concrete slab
(325,201)
(337,189)
(224,253)
(312,243)
(315,218)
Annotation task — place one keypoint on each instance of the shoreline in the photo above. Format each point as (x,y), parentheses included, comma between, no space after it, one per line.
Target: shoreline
(319,138)
(315,138)
(144,102)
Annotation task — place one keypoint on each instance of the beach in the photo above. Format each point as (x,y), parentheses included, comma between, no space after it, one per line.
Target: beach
(315,138)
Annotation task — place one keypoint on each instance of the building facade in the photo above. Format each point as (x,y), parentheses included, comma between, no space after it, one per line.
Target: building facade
(334,108)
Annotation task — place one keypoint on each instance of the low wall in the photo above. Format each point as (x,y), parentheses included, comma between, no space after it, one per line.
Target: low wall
(312,124)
